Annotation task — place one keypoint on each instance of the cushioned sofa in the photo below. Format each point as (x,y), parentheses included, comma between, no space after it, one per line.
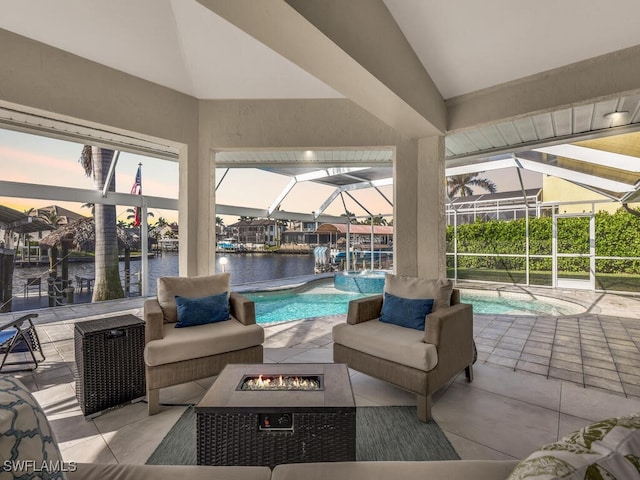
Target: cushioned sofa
(27,442)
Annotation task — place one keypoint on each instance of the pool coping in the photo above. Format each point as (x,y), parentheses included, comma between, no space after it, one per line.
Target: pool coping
(300,284)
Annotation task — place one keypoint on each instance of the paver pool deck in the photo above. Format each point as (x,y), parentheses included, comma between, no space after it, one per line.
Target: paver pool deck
(536,379)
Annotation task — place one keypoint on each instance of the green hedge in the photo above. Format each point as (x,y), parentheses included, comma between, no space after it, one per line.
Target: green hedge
(617,235)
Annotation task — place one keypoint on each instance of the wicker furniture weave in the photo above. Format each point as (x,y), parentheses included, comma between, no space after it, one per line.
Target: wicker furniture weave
(109,362)
(323,423)
(220,349)
(449,329)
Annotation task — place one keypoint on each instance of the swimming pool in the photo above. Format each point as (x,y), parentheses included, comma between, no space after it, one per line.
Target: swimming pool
(317,301)
(322,299)
(517,304)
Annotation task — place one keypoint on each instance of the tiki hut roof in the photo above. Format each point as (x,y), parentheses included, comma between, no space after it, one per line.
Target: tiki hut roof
(82,234)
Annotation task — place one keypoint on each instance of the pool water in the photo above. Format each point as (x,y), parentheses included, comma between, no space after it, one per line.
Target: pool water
(286,305)
(368,281)
(489,303)
(325,300)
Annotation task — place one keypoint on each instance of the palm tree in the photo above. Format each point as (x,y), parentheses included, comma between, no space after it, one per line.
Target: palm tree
(96,162)
(90,206)
(377,220)
(132,215)
(161,223)
(351,216)
(51,217)
(460,185)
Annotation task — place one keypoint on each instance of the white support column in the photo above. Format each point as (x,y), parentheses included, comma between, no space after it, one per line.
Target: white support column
(348,246)
(430,220)
(144,247)
(372,265)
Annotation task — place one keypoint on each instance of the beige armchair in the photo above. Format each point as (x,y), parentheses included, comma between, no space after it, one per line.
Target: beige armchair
(177,355)
(417,361)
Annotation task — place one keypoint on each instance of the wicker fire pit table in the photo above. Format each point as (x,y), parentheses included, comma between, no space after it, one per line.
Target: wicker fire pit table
(268,414)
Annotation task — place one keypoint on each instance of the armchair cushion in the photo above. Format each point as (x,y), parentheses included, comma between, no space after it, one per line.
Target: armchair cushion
(192,287)
(203,310)
(406,312)
(414,287)
(405,346)
(179,344)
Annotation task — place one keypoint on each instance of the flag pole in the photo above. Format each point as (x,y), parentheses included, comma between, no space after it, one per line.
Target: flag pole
(144,242)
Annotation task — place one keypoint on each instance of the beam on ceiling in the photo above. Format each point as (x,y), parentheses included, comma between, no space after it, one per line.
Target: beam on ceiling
(351,187)
(481,166)
(28,120)
(454,160)
(576,177)
(277,215)
(111,173)
(606,76)
(80,195)
(226,171)
(383,196)
(597,157)
(285,191)
(359,204)
(307,177)
(356,65)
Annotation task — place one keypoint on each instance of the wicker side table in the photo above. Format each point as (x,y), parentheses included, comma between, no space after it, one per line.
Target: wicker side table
(109,362)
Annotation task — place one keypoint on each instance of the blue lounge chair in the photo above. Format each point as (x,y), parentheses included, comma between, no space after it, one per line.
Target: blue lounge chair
(20,336)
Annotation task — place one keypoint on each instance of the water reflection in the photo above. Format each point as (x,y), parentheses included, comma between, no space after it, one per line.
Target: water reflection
(244,268)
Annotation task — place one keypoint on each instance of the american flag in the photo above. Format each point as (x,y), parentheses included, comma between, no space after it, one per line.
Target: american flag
(137,190)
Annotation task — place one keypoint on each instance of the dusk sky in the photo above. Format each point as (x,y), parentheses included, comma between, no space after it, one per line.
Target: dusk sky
(40,160)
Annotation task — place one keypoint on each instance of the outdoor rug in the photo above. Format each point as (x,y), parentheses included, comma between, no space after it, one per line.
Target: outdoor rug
(382,433)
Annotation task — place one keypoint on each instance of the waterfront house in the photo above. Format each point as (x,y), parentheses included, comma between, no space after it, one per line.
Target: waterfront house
(255,232)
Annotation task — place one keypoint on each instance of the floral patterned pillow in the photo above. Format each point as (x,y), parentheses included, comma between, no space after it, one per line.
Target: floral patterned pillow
(605,450)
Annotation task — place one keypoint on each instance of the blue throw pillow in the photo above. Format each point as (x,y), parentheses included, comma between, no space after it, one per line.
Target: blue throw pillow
(405,312)
(199,311)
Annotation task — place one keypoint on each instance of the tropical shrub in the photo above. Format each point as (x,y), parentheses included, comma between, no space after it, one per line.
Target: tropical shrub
(617,235)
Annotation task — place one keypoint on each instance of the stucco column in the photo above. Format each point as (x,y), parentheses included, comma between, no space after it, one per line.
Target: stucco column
(420,228)
(189,209)
(205,212)
(431,248)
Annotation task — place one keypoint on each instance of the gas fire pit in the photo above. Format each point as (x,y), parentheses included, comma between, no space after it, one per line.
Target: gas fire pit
(281,382)
(268,414)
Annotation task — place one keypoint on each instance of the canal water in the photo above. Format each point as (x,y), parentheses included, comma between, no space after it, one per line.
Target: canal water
(244,268)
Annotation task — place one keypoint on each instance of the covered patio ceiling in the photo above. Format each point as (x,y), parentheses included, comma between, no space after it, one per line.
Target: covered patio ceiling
(465,48)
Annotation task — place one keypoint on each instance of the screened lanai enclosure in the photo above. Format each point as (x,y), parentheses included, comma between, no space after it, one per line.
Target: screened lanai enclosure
(577,245)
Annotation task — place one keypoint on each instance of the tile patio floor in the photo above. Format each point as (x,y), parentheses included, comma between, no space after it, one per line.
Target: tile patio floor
(536,379)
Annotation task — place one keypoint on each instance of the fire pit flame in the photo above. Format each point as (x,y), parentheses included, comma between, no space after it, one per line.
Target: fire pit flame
(282,382)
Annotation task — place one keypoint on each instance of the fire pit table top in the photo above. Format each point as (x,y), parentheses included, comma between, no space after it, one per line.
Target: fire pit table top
(225,394)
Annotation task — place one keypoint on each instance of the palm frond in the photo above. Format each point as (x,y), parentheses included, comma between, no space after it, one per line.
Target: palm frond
(86,161)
